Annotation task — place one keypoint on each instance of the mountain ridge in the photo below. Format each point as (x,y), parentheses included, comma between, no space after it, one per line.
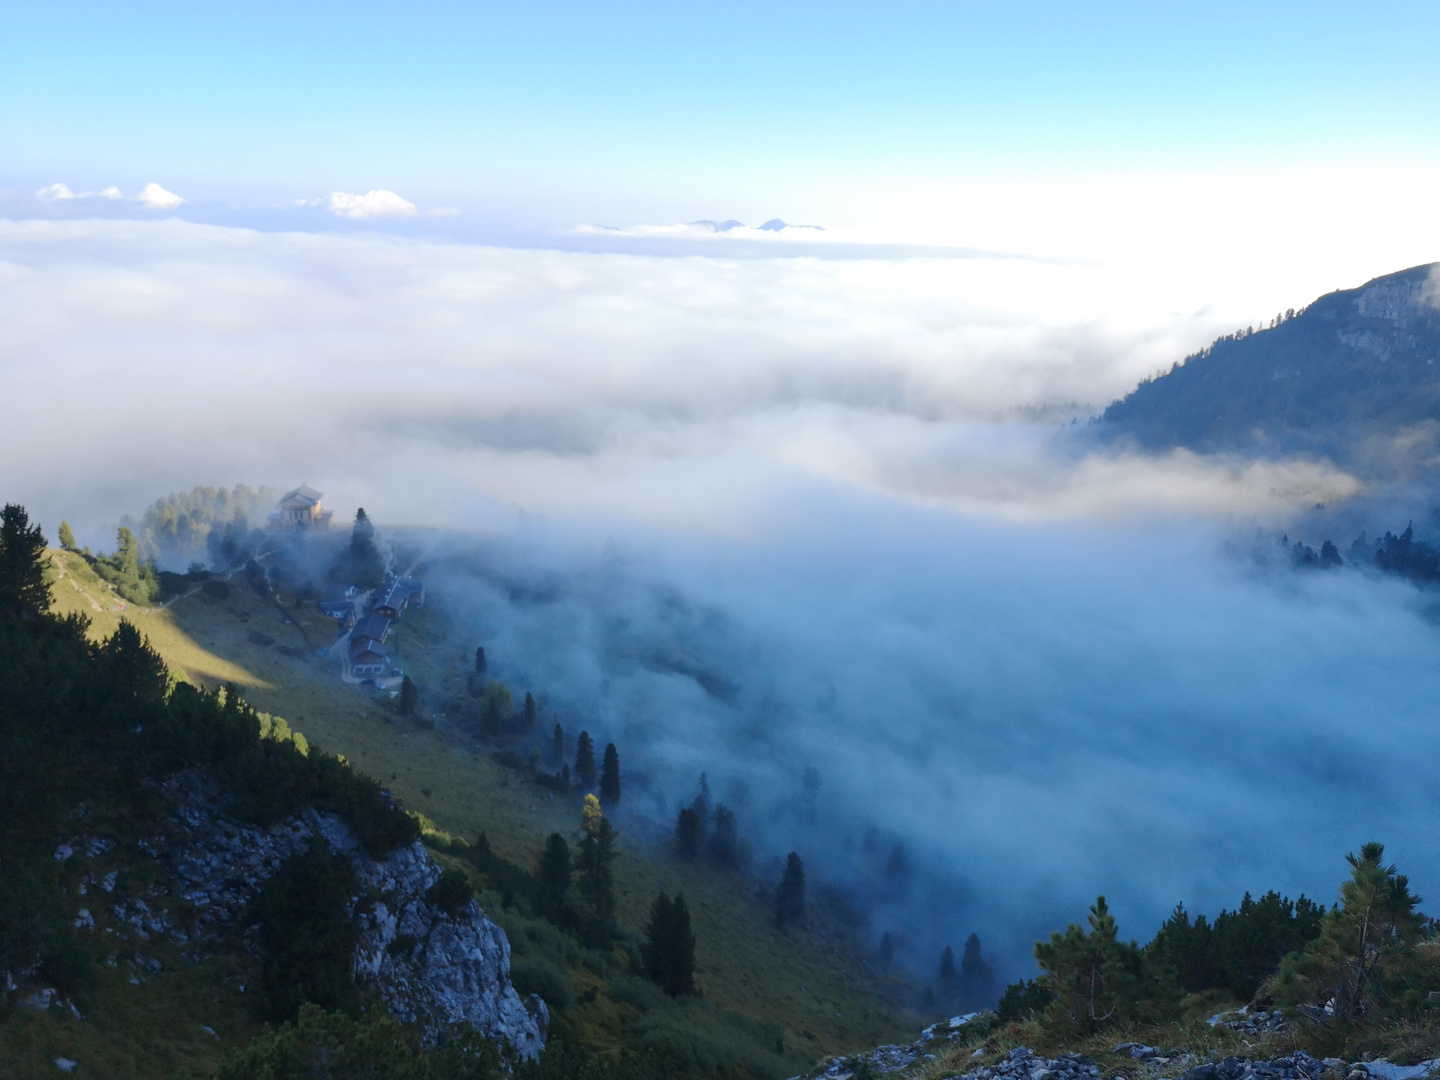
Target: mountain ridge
(1352,377)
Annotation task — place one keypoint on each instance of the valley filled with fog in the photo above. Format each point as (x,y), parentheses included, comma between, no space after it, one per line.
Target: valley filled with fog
(822,529)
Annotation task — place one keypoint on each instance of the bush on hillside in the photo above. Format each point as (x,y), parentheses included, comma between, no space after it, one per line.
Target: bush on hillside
(306,934)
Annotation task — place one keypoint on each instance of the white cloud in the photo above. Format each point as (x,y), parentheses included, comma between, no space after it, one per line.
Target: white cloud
(696,393)
(157,198)
(54,193)
(444,211)
(378,203)
(111,192)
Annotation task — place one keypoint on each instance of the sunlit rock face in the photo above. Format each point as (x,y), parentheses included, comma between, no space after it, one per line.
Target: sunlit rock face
(458,969)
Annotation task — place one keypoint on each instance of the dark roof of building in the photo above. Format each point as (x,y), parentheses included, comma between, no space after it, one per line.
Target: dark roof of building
(369,649)
(374,627)
(395,598)
(335,607)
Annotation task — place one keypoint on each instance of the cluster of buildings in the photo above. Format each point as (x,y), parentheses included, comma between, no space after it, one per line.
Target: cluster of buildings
(370,617)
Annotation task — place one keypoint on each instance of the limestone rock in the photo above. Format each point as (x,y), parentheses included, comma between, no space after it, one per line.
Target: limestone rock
(457,971)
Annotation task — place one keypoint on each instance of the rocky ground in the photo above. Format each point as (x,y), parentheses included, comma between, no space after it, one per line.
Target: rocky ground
(1175,1063)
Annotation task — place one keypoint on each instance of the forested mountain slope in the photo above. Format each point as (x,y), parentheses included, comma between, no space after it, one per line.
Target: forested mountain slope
(1352,377)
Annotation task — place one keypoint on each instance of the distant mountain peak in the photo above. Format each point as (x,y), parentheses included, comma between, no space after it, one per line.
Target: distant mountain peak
(776,225)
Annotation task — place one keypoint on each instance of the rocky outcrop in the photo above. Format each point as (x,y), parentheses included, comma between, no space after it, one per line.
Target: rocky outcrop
(430,968)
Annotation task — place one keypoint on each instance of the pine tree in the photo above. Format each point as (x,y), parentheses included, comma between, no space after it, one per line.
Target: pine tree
(362,534)
(480,664)
(669,949)
(127,553)
(409,697)
(688,835)
(552,877)
(22,564)
(1365,946)
(597,881)
(610,775)
(364,563)
(585,760)
(496,708)
(702,803)
(947,965)
(67,537)
(723,847)
(557,746)
(1094,976)
(977,978)
(790,895)
(528,712)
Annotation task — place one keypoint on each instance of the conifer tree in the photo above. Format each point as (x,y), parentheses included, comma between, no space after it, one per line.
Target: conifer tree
(480,664)
(947,965)
(597,881)
(67,537)
(977,978)
(362,534)
(1365,945)
(552,877)
(585,760)
(669,949)
(365,563)
(409,697)
(496,708)
(702,803)
(790,895)
(22,568)
(688,835)
(1094,976)
(610,775)
(723,847)
(557,746)
(528,711)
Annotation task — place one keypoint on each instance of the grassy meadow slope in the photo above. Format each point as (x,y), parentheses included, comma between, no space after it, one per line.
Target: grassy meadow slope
(808,990)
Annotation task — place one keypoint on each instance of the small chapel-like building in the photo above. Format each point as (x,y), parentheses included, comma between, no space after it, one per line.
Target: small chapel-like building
(300,509)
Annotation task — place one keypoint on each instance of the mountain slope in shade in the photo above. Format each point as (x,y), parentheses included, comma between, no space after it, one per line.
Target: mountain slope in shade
(1354,377)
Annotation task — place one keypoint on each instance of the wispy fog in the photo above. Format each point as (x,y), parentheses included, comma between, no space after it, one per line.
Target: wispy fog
(784,517)
(1038,714)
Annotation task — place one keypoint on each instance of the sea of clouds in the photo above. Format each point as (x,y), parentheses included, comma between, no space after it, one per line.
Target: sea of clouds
(820,527)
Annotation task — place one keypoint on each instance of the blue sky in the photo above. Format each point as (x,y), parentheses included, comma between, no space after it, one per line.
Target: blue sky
(541,112)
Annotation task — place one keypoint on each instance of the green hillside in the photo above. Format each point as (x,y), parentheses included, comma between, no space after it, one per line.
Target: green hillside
(771,1001)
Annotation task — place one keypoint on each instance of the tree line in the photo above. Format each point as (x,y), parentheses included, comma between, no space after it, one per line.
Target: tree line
(1370,958)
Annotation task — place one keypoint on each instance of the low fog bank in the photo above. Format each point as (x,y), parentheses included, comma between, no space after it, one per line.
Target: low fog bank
(461,385)
(1038,715)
